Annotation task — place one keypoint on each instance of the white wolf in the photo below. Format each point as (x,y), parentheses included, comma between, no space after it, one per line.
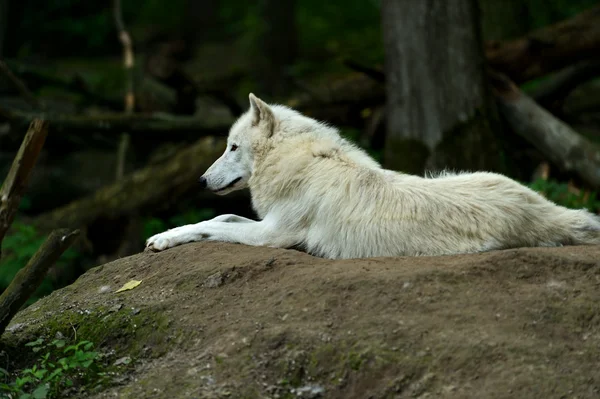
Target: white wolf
(313,189)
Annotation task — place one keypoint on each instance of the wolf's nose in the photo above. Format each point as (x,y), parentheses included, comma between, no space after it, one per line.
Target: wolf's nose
(202,181)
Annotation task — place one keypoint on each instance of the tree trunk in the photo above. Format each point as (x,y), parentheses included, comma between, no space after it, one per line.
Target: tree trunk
(439,110)
(278,43)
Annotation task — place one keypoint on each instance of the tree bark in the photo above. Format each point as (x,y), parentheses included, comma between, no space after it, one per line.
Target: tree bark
(439,114)
(145,189)
(31,276)
(552,137)
(16,181)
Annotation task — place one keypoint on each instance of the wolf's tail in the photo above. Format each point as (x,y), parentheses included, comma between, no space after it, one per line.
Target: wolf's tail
(585,228)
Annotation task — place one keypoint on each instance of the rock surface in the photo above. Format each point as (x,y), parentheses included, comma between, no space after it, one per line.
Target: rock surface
(212,320)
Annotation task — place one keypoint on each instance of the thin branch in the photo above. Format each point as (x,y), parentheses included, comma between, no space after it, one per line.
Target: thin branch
(14,185)
(128,64)
(20,86)
(146,124)
(31,276)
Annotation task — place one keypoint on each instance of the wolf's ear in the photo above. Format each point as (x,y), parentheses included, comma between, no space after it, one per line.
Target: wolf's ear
(261,113)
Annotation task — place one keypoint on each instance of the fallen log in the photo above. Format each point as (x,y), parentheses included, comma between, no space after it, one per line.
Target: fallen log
(558,87)
(116,123)
(553,138)
(14,185)
(547,49)
(149,188)
(28,279)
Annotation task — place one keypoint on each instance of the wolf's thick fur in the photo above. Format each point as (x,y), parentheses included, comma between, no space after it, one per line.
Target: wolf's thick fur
(312,188)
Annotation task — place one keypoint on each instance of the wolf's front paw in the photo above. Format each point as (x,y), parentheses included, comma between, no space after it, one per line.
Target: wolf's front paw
(162,241)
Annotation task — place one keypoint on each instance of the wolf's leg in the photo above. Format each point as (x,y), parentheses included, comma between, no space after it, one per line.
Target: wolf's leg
(254,233)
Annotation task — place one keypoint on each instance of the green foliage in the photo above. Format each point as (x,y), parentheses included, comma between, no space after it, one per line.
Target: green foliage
(560,194)
(18,247)
(155,225)
(59,368)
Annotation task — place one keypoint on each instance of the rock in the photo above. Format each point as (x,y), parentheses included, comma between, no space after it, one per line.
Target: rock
(517,323)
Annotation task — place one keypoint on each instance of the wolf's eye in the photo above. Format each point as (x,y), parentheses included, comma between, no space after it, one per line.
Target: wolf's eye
(233,147)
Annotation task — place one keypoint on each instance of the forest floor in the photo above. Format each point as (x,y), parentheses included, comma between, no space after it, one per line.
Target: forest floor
(212,320)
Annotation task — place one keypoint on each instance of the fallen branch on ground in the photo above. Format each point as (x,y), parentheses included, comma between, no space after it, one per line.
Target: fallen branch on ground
(558,87)
(552,137)
(117,122)
(547,49)
(14,185)
(147,188)
(28,279)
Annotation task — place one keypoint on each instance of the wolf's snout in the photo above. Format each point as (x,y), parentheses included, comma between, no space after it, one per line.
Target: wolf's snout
(202,181)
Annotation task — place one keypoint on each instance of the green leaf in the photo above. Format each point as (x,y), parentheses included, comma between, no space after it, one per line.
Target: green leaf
(54,374)
(20,382)
(37,342)
(41,392)
(59,343)
(39,374)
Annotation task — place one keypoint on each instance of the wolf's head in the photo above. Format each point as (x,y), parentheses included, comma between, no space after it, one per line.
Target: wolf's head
(233,169)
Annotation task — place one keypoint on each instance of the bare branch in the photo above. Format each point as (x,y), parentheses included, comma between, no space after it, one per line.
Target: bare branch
(14,185)
(128,64)
(31,276)
(552,137)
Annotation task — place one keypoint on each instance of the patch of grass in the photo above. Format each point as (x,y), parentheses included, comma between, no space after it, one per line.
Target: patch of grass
(566,196)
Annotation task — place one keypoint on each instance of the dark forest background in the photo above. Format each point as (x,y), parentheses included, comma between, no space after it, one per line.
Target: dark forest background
(422,84)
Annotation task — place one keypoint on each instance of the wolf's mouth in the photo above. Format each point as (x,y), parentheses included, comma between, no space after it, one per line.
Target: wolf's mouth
(229,185)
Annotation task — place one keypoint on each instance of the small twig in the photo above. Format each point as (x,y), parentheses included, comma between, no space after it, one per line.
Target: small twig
(20,86)
(31,276)
(14,185)
(74,331)
(128,64)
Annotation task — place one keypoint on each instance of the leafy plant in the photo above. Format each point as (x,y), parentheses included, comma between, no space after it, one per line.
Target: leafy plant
(59,368)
